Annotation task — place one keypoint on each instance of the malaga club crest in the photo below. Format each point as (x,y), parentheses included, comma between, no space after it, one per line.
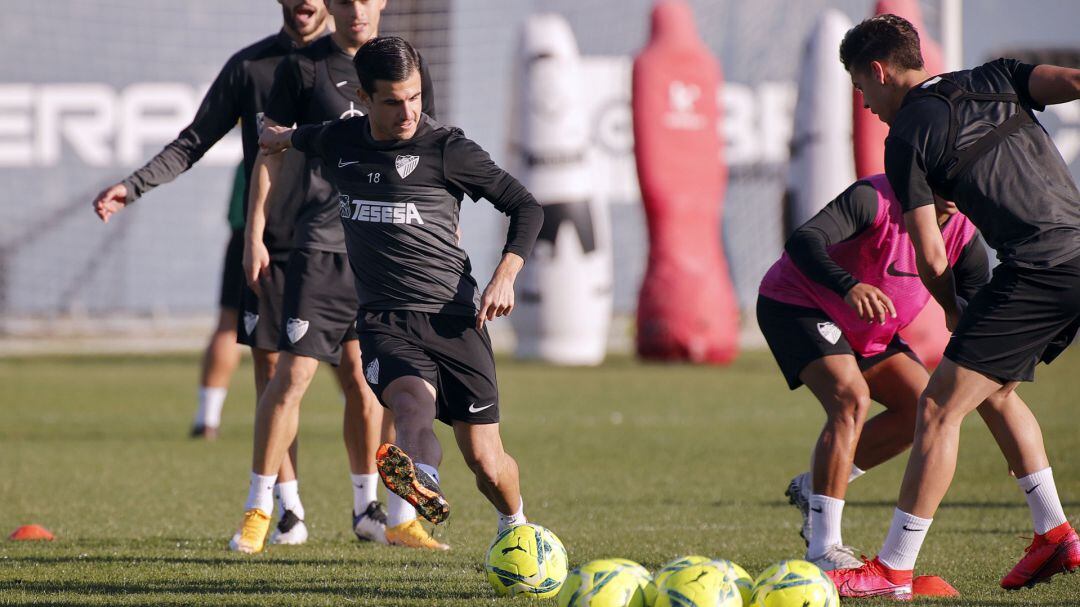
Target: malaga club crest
(829,331)
(405,165)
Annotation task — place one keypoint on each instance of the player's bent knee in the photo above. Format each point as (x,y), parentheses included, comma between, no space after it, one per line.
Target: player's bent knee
(933,415)
(486,466)
(851,406)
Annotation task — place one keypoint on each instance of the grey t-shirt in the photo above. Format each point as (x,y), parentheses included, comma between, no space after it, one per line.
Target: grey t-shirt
(1020,195)
(399,204)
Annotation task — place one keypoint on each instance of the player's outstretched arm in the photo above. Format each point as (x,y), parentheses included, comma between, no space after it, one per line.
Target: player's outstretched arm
(1051,84)
(932,260)
(217,115)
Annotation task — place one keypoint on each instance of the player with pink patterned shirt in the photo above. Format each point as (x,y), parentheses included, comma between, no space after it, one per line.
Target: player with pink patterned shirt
(831,309)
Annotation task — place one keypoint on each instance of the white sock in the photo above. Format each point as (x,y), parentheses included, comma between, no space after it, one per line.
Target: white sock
(517,518)
(288,494)
(211,400)
(432,471)
(261,493)
(856,472)
(1042,498)
(363,491)
(906,535)
(825,515)
(398,511)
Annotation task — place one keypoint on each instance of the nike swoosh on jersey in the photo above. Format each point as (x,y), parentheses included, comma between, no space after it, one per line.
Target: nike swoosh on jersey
(474,409)
(342,163)
(892,271)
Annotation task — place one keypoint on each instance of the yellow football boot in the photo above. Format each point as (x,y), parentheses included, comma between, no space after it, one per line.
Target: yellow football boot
(413,535)
(252,535)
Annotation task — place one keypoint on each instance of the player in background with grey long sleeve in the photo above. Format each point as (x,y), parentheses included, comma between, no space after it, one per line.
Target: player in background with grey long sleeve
(239,93)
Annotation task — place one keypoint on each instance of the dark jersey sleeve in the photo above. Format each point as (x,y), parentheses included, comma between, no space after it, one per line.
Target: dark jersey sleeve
(293,80)
(972,268)
(906,169)
(469,168)
(427,95)
(310,139)
(217,115)
(1020,73)
(916,142)
(849,214)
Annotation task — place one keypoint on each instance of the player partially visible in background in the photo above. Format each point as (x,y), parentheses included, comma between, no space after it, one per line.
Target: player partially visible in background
(222,355)
(972,137)
(239,93)
(831,310)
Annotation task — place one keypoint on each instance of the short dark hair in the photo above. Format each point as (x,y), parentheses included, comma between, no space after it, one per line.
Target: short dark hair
(388,58)
(882,38)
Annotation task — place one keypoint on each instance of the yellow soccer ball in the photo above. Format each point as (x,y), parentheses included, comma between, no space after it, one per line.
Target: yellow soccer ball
(740,578)
(703,585)
(645,579)
(794,583)
(678,564)
(526,560)
(605,583)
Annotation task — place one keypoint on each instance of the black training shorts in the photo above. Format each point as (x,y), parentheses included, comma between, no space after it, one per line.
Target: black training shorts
(319,307)
(445,350)
(232,272)
(798,336)
(1019,318)
(260,315)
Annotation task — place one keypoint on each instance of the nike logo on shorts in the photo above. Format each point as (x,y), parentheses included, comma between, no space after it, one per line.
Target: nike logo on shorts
(474,409)
(892,271)
(342,163)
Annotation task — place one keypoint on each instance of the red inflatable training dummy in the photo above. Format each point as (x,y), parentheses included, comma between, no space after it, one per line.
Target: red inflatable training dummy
(927,334)
(686,307)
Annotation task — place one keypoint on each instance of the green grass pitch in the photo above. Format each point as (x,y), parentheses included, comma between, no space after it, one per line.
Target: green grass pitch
(647,462)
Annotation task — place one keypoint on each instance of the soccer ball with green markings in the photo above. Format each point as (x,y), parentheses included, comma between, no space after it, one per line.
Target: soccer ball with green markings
(645,579)
(794,583)
(678,564)
(709,584)
(606,583)
(526,560)
(739,577)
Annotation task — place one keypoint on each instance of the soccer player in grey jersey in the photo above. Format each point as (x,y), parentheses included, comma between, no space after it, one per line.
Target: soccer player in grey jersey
(401,177)
(240,93)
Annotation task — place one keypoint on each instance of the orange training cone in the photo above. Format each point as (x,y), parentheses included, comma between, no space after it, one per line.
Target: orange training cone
(932,585)
(31,533)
